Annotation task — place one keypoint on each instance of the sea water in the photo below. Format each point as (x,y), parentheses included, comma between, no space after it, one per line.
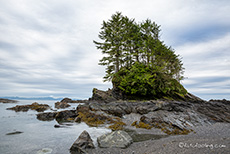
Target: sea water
(39,136)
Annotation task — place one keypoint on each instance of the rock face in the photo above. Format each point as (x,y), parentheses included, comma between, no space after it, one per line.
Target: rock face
(82,143)
(116,139)
(103,96)
(33,106)
(61,105)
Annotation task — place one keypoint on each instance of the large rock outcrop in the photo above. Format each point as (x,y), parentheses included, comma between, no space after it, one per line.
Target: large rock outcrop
(103,96)
(116,139)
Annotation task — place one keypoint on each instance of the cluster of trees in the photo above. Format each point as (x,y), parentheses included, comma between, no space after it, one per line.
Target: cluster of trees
(136,47)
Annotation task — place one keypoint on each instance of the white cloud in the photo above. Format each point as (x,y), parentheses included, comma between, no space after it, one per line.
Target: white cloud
(47,48)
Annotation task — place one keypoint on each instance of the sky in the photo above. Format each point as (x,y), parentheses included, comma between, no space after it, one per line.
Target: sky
(47,49)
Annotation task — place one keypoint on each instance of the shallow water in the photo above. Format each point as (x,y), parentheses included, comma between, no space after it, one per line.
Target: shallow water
(38,135)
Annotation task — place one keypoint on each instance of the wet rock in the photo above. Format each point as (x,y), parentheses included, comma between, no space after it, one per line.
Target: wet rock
(61,105)
(65,115)
(3,100)
(45,151)
(47,116)
(82,143)
(57,126)
(117,139)
(59,116)
(33,106)
(14,133)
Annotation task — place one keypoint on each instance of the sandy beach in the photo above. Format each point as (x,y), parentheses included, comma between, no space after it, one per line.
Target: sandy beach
(206,140)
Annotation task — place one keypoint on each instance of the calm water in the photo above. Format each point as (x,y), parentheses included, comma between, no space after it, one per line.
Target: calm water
(38,134)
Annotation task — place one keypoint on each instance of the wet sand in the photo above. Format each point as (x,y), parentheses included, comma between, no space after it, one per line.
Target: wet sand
(206,140)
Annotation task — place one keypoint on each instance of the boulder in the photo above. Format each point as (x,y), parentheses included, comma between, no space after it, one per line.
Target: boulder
(61,105)
(82,143)
(47,116)
(67,100)
(65,115)
(116,139)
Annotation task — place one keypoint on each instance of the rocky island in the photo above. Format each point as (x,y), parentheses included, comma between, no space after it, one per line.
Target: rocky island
(144,121)
(148,110)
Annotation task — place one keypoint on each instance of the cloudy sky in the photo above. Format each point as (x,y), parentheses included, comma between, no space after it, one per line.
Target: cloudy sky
(46,46)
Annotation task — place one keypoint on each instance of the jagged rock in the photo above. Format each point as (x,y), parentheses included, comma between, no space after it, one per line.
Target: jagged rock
(218,111)
(117,139)
(33,106)
(61,105)
(3,100)
(104,96)
(82,143)
(64,115)
(47,116)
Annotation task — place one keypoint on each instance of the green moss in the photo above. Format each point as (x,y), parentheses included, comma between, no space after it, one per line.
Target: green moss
(134,123)
(118,125)
(92,119)
(141,125)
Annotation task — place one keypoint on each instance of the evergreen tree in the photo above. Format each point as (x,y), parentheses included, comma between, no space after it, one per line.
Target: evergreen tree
(113,35)
(138,62)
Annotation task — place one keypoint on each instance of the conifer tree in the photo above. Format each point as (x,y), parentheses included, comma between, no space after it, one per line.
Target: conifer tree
(136,60)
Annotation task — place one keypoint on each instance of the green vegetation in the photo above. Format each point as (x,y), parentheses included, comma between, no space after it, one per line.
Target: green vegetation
(137,62)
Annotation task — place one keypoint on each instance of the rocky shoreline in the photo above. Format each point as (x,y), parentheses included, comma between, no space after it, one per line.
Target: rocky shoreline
(143,120)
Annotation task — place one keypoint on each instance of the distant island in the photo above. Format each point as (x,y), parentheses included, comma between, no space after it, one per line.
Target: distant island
(31,98)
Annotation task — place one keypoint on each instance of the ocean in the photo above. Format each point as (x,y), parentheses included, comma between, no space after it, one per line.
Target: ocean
(39,136)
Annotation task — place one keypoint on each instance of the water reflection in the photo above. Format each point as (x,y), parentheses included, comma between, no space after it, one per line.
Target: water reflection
(38,135)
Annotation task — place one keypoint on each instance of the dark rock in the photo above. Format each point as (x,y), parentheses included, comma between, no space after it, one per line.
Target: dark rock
(14,133)
(192,98)
(77,119)
(61,105)
(59,116)
(67,100)
(116,139)
(57,126)
(33,106)
(126,107)
(65,115)
(217,111)
(114,109)
(47,116)
(82,143)
(3,100)
(103,96)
